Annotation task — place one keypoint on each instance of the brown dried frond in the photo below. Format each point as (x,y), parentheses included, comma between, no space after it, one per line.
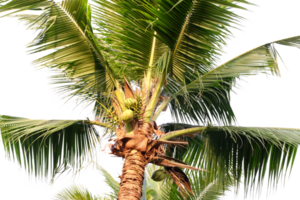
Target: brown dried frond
(128,90)
(181,180)
(154,125)
(157,132)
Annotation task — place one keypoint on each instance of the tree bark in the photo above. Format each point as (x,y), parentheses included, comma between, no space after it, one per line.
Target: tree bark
(132,176)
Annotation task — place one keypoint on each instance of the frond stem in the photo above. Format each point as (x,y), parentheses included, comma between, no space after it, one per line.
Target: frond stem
(187,131)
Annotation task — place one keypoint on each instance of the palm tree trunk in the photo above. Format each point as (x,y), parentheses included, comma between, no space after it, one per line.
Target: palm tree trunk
(132,176)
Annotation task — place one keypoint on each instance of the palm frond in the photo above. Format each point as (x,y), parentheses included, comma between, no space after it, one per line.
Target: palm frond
(252,151)
(27,19)
(253,60)
(203,188)
(137,34)
(290,42)
(261,59)
(44,146)
(206,106)
(111,182)
(13,6)
(76,192)
(170,127)
(127,35)
(197,34)
(207,97)
(65,34)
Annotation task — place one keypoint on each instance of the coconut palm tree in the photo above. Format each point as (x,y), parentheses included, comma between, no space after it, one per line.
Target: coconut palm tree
(132,60)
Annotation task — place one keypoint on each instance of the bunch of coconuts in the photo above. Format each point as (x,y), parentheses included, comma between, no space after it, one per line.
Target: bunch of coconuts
(127,115)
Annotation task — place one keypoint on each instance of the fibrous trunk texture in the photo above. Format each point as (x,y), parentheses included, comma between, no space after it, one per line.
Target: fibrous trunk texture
(132,176)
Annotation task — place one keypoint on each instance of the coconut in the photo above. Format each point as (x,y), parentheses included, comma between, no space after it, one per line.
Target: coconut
(130,102)
(127,116)
(159,175)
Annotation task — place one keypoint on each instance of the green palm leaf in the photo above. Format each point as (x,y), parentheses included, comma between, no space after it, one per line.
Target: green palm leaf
(127,35)
(19,6)
(261,59)
(173,45)
(193,30)
(238,150)
(203,185)
(111,182)
(65,33)
(206,97)
(291,42)
(44,146)
(137,34)
(75,192)
(200,105)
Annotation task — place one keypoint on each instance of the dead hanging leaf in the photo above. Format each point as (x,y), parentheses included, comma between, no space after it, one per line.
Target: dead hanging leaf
(128,90)
(154,125)
(156,129)
(180,179)
(161,161)
(171,158)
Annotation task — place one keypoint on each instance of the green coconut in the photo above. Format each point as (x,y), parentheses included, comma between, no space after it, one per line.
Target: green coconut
(159,175)
(130,102)
(127,116)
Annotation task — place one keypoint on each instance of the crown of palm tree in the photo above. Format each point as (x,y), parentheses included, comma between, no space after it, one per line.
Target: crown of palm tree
(134,59)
